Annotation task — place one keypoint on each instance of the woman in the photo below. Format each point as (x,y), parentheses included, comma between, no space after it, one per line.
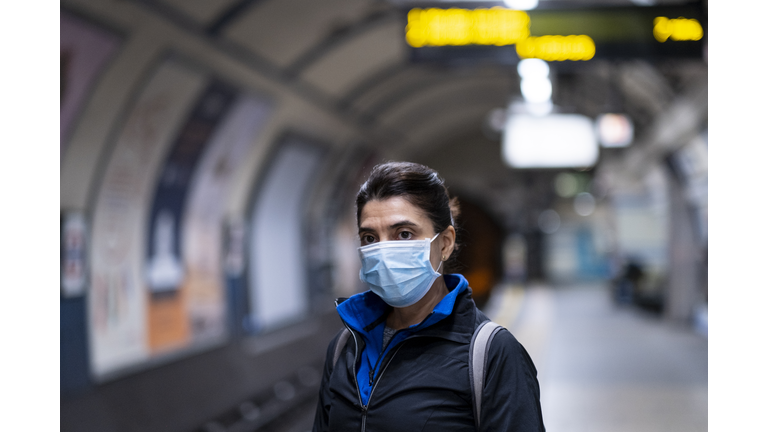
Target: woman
(405,365)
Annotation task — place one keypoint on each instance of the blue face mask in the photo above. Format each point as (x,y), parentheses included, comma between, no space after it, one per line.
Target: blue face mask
(398,271)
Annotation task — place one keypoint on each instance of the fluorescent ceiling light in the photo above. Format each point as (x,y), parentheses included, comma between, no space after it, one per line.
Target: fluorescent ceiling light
(540,108)
(521,4)
(536,90)
(553,141)
(532,68)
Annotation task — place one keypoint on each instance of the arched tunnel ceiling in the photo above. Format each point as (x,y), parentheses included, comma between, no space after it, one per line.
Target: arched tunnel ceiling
(347,49)
(349,56)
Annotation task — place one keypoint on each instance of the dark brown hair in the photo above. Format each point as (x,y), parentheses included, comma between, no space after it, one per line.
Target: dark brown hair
(417,184)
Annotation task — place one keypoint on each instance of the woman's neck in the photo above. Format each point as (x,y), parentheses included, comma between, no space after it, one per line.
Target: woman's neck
(401,318)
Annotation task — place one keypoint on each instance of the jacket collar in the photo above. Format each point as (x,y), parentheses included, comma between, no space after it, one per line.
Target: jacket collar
(453,318)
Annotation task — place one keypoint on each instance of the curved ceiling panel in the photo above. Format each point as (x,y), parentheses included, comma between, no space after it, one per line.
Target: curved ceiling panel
(396,79)
(283,30)
(471,162)
(202,11)
(451,94)
(446,126)
(411,87)
(645,86)
(343,68)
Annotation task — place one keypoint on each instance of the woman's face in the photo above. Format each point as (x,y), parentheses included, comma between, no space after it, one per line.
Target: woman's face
(397,219)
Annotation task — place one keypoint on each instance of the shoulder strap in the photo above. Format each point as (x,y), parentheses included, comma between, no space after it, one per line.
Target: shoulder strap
(478,352)
(341,341)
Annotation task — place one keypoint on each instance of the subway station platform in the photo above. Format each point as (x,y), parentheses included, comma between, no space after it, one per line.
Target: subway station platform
(211,153)
(604,367)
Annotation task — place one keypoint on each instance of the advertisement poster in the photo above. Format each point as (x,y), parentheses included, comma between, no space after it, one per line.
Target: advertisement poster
(168,281)
(117,311)
(204,217)
(278,292)
(85,51)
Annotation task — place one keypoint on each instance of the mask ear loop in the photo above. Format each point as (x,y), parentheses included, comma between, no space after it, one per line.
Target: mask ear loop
(441,261)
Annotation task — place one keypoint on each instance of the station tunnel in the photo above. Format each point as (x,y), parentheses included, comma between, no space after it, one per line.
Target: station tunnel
(211,152)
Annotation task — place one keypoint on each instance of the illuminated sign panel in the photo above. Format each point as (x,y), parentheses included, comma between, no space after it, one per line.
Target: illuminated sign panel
(557,48)
(496,26)
(439,27)
(680,29)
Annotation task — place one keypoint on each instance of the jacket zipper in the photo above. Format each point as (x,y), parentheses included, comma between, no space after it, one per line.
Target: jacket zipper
(365,407)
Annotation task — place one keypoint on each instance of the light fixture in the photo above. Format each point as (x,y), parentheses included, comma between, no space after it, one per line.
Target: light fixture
(532,68)
(521,4)
(536,90)
(551,141)
(614,130)
(535,86)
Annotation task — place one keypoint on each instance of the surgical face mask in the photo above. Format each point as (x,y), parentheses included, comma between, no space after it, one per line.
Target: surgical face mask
(398,271)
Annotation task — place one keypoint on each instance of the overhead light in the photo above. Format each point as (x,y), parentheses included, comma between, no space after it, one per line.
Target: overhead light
(539,108)
(552,141)
(535,85)
(614,130)
(532,68)
(536,90)
(521,4)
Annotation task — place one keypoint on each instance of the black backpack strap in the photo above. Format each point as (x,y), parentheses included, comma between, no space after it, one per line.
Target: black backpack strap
(478,353)
(341,341)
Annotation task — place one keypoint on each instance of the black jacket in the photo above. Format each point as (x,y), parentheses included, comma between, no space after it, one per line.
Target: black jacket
(423,383)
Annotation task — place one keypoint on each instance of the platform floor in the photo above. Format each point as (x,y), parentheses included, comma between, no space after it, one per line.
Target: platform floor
(607,368)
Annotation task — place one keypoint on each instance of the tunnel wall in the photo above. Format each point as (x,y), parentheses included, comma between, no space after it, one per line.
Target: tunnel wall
(157,120)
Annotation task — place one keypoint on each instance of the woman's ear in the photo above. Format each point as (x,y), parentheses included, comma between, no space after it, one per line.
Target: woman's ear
(449,242)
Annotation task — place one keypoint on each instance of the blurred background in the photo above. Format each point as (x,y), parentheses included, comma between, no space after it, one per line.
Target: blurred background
(210,155)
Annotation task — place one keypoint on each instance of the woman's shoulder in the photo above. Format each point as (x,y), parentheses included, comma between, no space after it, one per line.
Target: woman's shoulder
(506,349)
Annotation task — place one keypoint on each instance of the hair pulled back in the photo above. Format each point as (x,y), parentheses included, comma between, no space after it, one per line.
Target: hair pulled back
(417,184)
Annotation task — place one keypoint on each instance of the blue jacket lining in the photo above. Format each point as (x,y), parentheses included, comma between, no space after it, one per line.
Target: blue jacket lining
(364,309)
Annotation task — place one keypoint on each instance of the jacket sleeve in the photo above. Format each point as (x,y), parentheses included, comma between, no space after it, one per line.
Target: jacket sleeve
(324,400)
(511,391)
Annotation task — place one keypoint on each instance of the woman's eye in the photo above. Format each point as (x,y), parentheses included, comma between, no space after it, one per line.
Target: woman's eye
(405,235)
(367,239)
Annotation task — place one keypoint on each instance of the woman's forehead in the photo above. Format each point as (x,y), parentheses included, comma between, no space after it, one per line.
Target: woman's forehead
(393,209)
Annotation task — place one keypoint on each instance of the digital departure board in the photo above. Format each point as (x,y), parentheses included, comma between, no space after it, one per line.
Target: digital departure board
(503,35)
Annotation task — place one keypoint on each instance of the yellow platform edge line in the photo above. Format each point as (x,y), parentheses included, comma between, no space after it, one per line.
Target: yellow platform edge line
(511,302)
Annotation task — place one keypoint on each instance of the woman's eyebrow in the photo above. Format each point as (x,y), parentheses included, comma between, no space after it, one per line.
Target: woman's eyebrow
(364,229)
(396,225)
(402,223)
